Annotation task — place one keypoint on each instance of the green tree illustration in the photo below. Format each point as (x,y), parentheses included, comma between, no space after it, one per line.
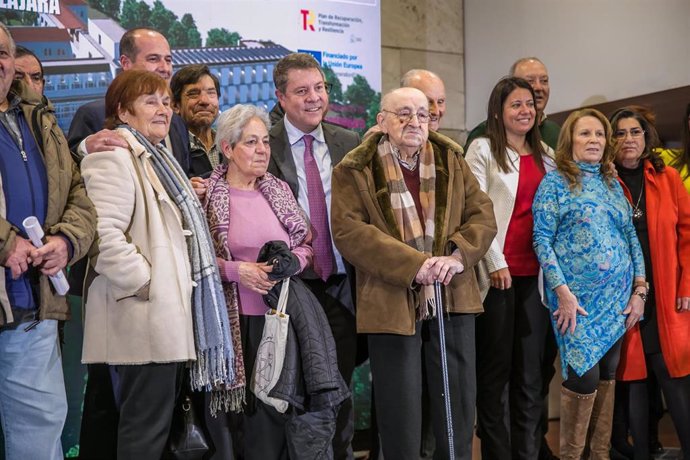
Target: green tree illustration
(222,37)
(193,35)
(135,14)
(162,19)
(111,8)
(359,92)
(336,94)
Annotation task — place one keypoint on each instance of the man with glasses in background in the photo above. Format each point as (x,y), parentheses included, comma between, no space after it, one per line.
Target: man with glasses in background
(304,150)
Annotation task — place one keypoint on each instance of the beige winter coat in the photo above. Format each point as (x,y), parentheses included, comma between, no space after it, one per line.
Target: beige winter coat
(140,241)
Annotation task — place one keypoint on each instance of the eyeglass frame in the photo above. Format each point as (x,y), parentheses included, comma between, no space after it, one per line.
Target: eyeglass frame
(408,118)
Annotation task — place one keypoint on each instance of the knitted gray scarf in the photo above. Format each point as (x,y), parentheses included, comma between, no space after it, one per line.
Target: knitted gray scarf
(213,368)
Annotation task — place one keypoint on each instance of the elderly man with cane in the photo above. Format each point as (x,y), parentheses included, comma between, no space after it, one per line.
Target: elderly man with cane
(407,213)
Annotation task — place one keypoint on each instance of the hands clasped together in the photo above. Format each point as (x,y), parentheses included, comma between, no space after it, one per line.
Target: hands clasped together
(50,259)
(441,268)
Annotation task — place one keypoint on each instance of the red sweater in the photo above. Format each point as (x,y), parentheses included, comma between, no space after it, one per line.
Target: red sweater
(518,250)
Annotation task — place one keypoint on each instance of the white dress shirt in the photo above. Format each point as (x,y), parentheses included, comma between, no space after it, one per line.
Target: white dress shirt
(323,160)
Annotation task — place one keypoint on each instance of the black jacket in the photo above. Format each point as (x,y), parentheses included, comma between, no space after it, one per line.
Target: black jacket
(310,379)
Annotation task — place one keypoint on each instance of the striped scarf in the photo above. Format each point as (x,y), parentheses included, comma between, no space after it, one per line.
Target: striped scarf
(402,203)
(215,356)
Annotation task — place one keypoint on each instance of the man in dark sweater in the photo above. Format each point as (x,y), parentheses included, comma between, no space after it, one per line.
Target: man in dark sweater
(534,71)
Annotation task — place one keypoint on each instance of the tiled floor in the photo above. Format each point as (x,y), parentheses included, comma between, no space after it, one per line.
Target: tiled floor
(667,436)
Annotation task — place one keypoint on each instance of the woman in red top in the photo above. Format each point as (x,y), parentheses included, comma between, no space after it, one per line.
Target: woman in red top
(660,343)
(509,163)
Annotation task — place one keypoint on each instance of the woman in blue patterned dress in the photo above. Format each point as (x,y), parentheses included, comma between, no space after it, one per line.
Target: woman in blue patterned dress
(587,247)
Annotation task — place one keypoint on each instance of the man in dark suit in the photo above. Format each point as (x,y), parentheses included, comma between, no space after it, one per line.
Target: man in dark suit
(142,49)
(304,150)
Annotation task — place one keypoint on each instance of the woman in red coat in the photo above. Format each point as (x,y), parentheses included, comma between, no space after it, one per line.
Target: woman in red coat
(660,343)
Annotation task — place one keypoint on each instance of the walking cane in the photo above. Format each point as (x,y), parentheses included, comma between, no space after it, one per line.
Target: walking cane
(438,298)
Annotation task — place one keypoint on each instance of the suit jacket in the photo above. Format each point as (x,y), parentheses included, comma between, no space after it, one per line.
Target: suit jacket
(90,118)
(282,165)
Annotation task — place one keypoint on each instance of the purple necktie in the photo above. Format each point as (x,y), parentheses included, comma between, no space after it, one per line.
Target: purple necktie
(318,213)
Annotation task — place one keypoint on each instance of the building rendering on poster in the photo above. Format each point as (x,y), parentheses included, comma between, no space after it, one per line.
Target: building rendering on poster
(78,43)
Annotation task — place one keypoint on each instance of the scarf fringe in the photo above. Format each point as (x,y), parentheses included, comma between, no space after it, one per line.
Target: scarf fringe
(427,310)
(228,401)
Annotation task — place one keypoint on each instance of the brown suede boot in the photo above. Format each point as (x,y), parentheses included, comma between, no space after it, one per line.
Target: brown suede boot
(575,412)
(599,433)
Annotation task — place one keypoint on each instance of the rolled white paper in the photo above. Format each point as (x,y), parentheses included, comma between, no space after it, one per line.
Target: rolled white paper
(35,233)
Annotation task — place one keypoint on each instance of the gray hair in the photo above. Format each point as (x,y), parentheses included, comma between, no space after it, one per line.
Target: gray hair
(511,72)
(13,47)
(232,122)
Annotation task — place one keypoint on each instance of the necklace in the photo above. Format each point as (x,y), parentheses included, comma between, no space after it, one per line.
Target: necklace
(638,213)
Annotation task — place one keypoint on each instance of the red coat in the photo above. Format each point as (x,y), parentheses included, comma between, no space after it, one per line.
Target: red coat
(668,222)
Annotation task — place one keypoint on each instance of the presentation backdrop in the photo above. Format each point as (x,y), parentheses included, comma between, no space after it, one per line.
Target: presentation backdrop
(78,42)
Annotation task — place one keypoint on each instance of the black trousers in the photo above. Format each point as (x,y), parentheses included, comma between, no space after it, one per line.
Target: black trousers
(335,296)
(534,351)
(396,368)
(513,316)
(100,417)
(147,395)
(266,434)
(495,334)
(677,394)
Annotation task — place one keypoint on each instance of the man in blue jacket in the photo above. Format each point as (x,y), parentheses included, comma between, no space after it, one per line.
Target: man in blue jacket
(39,179)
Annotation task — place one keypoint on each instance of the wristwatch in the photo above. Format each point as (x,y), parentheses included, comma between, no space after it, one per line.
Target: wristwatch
(643,295)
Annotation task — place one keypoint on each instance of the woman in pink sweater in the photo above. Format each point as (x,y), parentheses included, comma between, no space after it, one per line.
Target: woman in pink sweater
(246,207)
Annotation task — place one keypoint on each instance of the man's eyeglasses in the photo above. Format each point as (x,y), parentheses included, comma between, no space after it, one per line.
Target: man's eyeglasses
(621,134)
(405,116)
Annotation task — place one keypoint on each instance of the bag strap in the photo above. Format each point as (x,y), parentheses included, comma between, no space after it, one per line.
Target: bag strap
(282,299)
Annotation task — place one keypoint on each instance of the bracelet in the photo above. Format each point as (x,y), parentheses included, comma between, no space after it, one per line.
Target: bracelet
(642,295)
(643,284)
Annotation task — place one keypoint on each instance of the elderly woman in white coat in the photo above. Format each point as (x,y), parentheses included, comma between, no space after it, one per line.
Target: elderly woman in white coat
(509,163)
(154,301)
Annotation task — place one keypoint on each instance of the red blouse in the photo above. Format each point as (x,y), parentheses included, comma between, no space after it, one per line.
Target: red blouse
(518,251)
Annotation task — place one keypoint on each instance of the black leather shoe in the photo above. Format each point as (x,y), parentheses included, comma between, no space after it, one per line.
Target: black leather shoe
(622,451)
(545,451)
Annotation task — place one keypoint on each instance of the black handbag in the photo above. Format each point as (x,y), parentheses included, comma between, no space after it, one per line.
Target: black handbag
(187,440)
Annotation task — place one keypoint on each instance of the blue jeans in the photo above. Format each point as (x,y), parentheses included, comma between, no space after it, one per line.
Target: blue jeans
(33,405)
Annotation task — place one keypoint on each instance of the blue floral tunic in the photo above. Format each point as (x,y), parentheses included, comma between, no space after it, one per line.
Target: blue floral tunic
(586,240)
